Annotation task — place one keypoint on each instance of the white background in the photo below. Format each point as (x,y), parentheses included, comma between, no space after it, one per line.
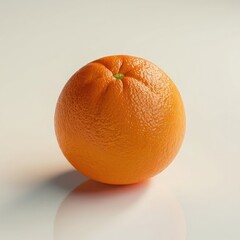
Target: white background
(42,43)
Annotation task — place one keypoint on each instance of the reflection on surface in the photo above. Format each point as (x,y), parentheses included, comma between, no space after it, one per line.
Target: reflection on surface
(141,211)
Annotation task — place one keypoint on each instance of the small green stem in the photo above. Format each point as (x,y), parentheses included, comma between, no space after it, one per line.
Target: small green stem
(118,75)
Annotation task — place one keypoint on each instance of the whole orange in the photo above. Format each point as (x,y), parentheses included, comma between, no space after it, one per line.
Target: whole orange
(120,120)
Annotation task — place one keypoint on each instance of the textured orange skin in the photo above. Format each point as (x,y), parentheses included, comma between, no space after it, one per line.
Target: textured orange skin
(120,131)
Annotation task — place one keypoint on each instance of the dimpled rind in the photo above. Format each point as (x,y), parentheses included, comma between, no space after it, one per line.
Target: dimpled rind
(120,131)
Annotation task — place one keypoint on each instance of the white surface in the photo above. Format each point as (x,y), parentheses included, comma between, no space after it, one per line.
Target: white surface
(42,43)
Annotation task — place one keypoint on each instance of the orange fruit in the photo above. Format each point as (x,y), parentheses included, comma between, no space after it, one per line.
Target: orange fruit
(120,120)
